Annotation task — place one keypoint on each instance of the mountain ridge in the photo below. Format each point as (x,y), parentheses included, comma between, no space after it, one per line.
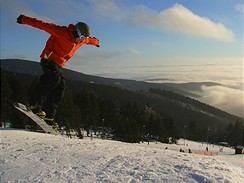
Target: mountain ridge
(33,68)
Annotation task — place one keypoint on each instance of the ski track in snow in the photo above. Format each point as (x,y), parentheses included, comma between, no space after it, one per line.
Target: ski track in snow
(35,157)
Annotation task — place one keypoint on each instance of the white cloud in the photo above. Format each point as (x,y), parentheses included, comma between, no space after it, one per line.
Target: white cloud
(133,51)
(181,20)
(239,7)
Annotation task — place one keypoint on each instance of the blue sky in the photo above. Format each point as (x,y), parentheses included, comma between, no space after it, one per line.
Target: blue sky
(181,40)
(138,32)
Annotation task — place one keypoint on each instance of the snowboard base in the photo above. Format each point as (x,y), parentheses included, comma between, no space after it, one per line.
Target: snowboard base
(40,122)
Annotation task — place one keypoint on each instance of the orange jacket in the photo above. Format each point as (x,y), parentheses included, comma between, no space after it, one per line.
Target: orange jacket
(61,45)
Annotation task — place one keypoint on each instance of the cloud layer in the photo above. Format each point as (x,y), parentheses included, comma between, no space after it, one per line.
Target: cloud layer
(228,96)
(224,98)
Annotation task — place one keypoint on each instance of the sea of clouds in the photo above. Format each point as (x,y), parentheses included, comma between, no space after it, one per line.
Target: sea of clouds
(226,93)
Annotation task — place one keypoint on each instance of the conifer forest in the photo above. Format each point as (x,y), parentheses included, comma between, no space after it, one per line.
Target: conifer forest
(120,114)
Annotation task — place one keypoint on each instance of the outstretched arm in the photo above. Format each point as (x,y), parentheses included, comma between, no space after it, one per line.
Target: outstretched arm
(50,28)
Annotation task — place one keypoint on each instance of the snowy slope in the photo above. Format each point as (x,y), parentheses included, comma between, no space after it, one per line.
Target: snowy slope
(35,157)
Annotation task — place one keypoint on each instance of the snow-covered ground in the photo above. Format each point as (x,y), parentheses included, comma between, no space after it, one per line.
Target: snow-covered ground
(36,157)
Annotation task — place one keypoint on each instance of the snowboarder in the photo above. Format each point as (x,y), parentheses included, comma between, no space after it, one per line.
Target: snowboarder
(60,47)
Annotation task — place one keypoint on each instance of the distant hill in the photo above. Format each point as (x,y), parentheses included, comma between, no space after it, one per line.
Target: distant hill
(33,68)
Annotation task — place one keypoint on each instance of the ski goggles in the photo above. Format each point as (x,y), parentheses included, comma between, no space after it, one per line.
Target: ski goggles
(78,34)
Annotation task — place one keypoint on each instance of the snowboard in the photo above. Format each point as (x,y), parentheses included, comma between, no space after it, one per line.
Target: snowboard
(40,122)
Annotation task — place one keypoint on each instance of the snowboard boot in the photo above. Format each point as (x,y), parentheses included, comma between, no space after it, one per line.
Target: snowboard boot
(51,122)
(41,114)
(36,109)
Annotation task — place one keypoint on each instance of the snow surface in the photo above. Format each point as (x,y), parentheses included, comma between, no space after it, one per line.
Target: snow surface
(36,157)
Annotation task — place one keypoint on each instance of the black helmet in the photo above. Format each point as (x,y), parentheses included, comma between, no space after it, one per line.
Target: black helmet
(81,28)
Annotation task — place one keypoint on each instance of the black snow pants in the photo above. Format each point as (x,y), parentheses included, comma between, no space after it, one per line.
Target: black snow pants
(50,89)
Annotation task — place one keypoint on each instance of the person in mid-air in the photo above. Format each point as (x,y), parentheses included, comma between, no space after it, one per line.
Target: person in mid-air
(60,47)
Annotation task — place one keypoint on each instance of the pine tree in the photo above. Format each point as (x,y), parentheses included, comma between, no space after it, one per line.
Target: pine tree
(192,130)
(19,90)
(171,130)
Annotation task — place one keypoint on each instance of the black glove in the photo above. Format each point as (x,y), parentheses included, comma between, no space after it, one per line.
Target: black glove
(19,19)
(98,44)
